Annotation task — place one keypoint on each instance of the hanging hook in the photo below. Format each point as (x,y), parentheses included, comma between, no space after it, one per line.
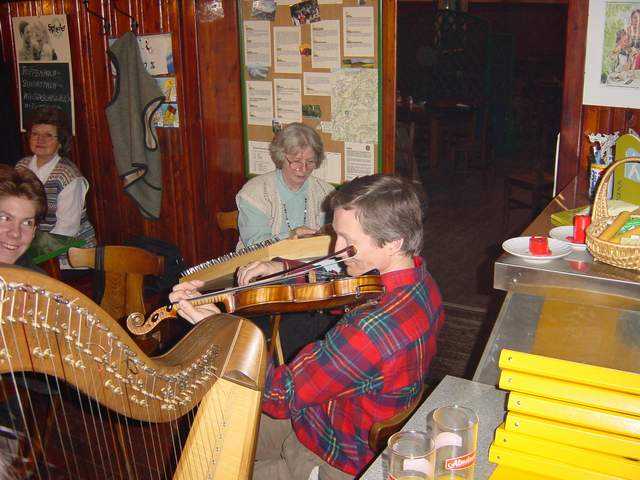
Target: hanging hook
(105,25)
(134,22)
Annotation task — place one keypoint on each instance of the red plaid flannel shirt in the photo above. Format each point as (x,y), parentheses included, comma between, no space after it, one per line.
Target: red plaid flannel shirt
(369,367)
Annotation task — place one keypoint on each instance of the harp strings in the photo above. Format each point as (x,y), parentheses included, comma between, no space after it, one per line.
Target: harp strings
(106,433)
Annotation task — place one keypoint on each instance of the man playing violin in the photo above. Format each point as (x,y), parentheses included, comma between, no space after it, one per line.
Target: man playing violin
(318,409)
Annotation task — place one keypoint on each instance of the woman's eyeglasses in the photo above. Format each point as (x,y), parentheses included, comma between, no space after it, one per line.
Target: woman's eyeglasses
(47,137)
(299,162)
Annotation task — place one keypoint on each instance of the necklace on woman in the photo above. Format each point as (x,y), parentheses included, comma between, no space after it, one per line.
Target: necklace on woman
(286,216)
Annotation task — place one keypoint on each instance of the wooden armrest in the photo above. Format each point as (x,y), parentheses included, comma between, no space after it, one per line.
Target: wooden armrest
(119,259)
(381,431)
(82,257)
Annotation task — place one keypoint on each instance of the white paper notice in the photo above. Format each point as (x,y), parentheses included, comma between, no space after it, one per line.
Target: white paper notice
(325,44)
(317,83)
(358,159)
(286,50)
(259,158)
(288,99)
(257,43)
(259,103)
(358,31)
(331,168)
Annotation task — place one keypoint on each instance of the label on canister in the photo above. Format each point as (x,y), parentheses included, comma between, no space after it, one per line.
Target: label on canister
(461,462)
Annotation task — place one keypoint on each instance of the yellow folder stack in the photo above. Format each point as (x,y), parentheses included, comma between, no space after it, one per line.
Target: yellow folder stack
(566,421)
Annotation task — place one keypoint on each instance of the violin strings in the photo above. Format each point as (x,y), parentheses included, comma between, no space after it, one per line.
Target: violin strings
(260,283)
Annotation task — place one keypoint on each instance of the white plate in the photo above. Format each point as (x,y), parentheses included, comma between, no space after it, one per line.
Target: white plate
(520,248)
(565,234)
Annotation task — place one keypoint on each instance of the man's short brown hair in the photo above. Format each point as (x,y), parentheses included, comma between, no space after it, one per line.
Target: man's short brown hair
(23,183)
(387,207)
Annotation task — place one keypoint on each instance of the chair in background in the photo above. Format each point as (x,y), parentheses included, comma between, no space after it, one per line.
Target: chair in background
(118,281)
(536,176)
(227,220)
(469,146)
(228,225)
(537,184)
(405,156)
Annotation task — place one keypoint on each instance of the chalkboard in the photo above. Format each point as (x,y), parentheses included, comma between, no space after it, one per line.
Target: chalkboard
(45,84)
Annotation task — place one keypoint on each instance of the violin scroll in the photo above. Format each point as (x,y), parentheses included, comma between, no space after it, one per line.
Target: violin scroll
(139,325)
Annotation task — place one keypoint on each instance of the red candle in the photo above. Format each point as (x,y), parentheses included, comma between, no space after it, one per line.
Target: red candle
(539,245)
(580,224)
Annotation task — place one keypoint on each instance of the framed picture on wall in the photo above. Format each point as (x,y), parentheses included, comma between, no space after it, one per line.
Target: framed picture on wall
(612,62)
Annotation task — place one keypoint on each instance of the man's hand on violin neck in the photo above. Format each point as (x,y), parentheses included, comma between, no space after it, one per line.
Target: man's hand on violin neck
(254,270)
(182,292)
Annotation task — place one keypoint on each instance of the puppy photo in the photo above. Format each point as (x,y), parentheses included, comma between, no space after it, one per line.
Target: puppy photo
(35,42)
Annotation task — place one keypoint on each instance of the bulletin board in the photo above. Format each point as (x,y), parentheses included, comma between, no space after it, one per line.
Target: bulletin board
(315,62)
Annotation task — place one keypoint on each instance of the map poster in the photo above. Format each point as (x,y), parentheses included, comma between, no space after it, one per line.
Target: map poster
(354,105)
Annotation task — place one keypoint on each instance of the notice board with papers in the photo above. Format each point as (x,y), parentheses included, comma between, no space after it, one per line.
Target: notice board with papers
(315,62)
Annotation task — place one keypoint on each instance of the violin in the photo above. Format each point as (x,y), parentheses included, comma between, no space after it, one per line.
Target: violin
(265,297)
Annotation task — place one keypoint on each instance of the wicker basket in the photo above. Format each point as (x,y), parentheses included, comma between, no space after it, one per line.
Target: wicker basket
(625,256)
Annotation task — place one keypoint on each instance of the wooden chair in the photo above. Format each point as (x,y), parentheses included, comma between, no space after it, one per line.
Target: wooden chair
(227,220)
(381,431)
(406,165)
(470,145)
(536,185)
(124,270)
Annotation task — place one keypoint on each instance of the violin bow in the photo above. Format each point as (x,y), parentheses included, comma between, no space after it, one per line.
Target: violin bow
(307,267)
(274,277)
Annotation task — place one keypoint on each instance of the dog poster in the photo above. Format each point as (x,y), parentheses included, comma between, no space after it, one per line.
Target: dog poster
(44,65)
(42,39)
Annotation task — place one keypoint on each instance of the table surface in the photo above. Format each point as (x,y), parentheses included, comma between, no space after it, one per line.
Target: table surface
(488,402)
(577,270)
(573,308)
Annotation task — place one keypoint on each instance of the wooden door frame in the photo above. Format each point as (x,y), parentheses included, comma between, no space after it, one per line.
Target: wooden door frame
(571,122)
(389,28)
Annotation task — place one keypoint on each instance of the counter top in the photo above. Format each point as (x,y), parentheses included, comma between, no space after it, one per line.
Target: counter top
(487,401)
(577,270)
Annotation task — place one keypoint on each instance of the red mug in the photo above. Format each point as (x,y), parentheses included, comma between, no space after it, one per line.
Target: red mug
(539,245)
(580,224)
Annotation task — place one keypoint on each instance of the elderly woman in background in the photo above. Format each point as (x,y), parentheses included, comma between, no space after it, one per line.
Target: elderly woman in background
(289,199)
(65,187)
(23,204)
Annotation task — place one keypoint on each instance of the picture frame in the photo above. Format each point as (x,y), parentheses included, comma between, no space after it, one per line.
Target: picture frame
(612,58)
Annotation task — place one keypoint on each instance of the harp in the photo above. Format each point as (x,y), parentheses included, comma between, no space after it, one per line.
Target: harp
(219,272)
(113,412)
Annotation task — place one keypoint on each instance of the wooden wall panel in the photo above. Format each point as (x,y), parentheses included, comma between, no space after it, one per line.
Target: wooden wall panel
(202,160)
